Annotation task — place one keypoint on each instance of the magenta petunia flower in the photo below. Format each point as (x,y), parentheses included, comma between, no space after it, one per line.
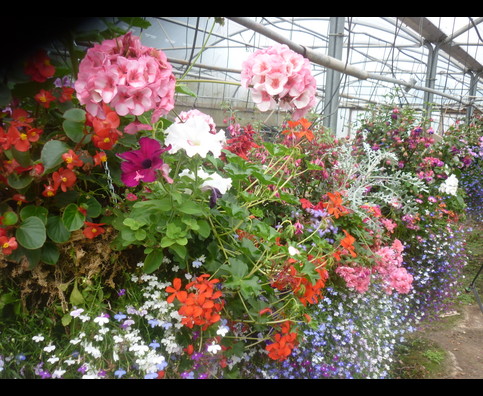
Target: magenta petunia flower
(142,164)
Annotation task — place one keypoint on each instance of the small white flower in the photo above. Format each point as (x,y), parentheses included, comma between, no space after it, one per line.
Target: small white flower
(95,352)
(53,359)
(222,330)
(214,348)
(101,320)
(38,338)
(76,312)
(49,348)
(197,264)
(293,251)
(69,362)
(58,373)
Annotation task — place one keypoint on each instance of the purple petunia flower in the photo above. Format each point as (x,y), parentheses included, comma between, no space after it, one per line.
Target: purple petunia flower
(142,164)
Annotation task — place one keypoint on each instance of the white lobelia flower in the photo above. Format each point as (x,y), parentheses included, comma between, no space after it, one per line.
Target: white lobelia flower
(194,137)
(214,348)
(38,338)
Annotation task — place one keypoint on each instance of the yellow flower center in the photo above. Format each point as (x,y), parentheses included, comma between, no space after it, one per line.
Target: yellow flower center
(107,140)
(68,160)
(94,230)
(5,245)
(23,136)
(64,179)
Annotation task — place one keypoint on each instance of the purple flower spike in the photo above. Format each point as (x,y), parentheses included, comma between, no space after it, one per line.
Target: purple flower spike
(142,164)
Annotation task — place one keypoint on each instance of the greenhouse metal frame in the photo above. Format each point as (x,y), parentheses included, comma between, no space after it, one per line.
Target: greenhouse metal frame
(430,63)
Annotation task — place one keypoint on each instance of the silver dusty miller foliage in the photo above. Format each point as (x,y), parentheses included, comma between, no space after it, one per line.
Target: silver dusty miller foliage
(371,182)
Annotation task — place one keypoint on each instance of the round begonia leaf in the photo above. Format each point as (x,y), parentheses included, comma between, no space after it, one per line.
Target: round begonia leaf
(31,234)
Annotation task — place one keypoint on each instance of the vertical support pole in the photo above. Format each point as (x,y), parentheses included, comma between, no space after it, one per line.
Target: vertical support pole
(332,79)
(430,77)
(472,94)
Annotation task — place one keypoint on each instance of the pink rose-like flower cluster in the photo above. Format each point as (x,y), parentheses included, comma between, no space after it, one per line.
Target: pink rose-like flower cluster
(128,76)
(388,269)
(357,278)
(279,76)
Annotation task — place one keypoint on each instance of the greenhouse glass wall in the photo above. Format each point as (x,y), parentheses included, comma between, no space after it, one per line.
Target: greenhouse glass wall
(428,63)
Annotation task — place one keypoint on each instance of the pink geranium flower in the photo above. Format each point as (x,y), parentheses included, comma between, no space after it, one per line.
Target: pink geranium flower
(279,76)
(143,164)
(130,77)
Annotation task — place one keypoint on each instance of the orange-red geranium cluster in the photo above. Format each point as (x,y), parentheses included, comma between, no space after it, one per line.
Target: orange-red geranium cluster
(200,301)
(299,129)
(284,343)
(106,133)
(306,292)
(334,205)
(19,132)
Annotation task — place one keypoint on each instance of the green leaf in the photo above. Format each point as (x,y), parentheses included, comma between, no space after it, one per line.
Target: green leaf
(94,208)
(74,130)
(49,253)
(66,319)
(133,224)
(56,230)
(22,157)
(73,219)
(153,261)
(51,154)
(166,241)
(179,250)
(19,181)
(140,235)
(76,297)
(204,229)
(136,21)
(185,90)
(31,234)
(75,115)
(9,218)
(191,208)
(33,210)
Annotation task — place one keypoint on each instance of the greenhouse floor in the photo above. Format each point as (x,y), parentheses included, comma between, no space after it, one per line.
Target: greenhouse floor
(460,335)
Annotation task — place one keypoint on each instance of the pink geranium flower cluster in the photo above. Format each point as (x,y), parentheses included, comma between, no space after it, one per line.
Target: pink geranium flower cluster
(279,76)
(389,267)
(130,77)
(357,278)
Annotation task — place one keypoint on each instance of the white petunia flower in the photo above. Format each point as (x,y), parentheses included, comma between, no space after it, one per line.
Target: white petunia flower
(194,137)
(449,186)
(210,180)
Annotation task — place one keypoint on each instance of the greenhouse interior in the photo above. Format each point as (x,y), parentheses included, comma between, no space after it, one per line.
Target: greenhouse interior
(239,197)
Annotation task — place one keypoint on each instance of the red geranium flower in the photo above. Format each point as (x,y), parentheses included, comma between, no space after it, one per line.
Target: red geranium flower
(64,178)
(39,67)
(92,230)
(72,159)
(44,98)
(8,244)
